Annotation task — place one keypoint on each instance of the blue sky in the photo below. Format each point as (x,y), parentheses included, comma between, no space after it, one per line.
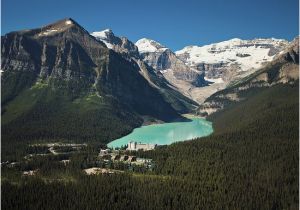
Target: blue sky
(173,23)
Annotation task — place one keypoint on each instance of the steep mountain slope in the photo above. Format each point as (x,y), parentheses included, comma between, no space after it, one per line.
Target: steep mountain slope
(164,60)
(60,80)
(169,91)
(228,61)
(232,59)
(198,72)
(283,69)
(118,44)
(251,161)
(220,63)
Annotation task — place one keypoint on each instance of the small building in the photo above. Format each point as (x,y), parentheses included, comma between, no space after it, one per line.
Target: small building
(104,152)
(124,158)
(30,173)
(115,157)
(131,158)
(65,162)
(134,146)
(143,162)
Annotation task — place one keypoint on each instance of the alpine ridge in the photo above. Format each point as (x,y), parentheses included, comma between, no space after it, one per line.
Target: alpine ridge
(284,69)
(161,59)
(168,88)
(61,68)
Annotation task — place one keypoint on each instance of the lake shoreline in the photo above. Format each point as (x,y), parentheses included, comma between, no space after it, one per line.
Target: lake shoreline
(147,120)
(192,116)
(167,133)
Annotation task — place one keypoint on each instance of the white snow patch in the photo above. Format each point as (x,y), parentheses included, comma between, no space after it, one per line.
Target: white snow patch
(68,22)
(165,71)
(103,36)
(48,32)
(147,45)
(217,80)
(254,52)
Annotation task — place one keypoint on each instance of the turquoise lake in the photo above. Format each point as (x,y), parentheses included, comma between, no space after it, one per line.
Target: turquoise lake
(166,133)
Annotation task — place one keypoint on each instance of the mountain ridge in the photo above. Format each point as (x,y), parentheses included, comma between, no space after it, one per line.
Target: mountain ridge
(168,89)
(284,69)
(200,77)
(60,67)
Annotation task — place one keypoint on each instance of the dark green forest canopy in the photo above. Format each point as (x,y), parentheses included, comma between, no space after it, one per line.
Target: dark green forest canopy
(250,162)
(68,87)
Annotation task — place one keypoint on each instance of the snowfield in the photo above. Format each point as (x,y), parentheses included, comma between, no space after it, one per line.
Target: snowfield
(247,54)
(147,45)
(103,36)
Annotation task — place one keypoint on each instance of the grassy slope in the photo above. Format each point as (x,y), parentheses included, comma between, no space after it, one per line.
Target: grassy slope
(39,113)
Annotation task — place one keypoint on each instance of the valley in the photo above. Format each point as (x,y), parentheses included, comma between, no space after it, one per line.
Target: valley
(218,124)
(167,133)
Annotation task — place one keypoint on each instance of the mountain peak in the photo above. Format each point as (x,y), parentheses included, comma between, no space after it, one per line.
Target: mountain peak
(108,30)
(69,21)
(104,34)
(62,23)
(118,44)
(148,45)
(58,26)
(107,36)
(247,54)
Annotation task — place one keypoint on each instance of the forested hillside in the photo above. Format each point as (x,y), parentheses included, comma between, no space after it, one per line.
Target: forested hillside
(250,162)
(57,114)
(59,82)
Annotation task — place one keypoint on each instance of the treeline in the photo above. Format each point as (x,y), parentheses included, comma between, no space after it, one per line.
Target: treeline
(250,162)
(67,120)
(53,117)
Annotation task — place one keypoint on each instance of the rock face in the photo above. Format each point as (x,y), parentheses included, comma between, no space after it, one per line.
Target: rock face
(233,59)
(198,72)
(119,44)
(149,70)
(155,55)
(65,56)
(164,60)
(284,69)
(60,51)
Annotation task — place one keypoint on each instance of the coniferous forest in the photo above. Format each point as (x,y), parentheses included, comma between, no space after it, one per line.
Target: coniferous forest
(249,162)
(66,93)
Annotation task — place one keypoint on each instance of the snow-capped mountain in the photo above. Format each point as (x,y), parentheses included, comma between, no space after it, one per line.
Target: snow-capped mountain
(118,44)
(199,71)
(105,36)
(232,59)
(160,58)
(155,78)
(283,69)
(163,60)
(147,45)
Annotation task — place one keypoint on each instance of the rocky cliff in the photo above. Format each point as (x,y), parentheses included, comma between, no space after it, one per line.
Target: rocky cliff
(61,68)
(118,44)
(284,69)
(148,70)
(164,60)
(233,59)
